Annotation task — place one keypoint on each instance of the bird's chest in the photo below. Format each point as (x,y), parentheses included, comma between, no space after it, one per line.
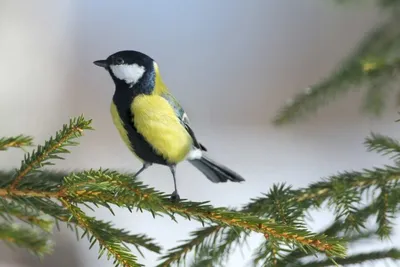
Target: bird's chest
(150,127)
(123,120)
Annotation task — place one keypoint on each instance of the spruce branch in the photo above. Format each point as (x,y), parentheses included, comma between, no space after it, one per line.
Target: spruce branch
(10,209)
(272,205)
(377,93)
(374,65)
(385,213)
(344,200)
(137,240)
(19,141)
(28,194)
(316,193)
(337,228)
(178,254)
(381,3)
(112,246)
(34,241)
(284,210)
(342,191)
(62,214)
(123,190)
(39,202)
(206,262)
(268,253)
(215,251)
(384,145)
(51,149)
(392,254)
(109,187)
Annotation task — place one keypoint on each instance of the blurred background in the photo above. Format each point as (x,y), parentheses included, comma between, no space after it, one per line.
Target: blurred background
(232,64)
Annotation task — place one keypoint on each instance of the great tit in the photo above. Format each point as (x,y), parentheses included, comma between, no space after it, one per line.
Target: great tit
(152,123)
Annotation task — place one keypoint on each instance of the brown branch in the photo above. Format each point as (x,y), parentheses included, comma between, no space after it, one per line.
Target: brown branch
(29,193)
(171,207)
(260,228)
(325,191)
(15,142)
(140,198)
(12,144)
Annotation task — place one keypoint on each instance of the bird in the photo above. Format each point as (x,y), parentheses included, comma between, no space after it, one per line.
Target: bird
(151,121)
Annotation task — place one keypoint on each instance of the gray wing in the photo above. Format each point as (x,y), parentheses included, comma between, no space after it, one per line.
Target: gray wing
(183,117)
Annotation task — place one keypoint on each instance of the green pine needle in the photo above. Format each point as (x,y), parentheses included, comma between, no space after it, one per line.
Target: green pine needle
(19,141)
(112,246)
(122,190)
(337,228)
(10,209)
(52,148)
(218,247)
(36,206)
(34,241)
(384,215)
(137,240)
(392,255)
(383,145)
(178,254)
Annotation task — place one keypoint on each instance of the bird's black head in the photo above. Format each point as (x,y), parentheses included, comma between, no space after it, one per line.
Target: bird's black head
(129,68)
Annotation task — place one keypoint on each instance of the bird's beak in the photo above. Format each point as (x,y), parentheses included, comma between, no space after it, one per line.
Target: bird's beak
(101,63)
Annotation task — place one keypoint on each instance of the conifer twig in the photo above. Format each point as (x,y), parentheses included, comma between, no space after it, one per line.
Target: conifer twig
(136,194)
(384,145)
(36,242)
(338,226)
(51,148)
(109,187)
(283,203)
(374,63)
(112,245)
(392,254)
(31,216)
(19,141)
(179,253)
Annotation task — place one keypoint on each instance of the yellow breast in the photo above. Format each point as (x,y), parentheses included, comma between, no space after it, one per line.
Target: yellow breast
(121,129)
(155,119)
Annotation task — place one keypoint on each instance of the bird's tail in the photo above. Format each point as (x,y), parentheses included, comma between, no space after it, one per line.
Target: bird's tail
(214,171)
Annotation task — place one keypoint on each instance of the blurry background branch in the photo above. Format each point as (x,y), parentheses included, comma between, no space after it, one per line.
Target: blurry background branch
(373,67)
(18,141)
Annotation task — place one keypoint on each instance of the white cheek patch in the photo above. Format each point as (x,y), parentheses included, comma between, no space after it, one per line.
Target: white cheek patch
(131,74)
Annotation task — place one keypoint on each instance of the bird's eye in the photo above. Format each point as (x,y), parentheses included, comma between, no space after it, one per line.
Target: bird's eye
(119,60)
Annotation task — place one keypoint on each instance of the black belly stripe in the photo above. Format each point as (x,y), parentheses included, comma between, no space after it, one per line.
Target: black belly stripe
(139,144)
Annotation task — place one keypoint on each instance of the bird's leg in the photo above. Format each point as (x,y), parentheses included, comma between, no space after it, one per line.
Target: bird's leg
(145,166)
(175,195)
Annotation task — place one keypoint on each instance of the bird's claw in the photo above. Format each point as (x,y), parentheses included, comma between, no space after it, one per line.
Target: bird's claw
(175,196)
